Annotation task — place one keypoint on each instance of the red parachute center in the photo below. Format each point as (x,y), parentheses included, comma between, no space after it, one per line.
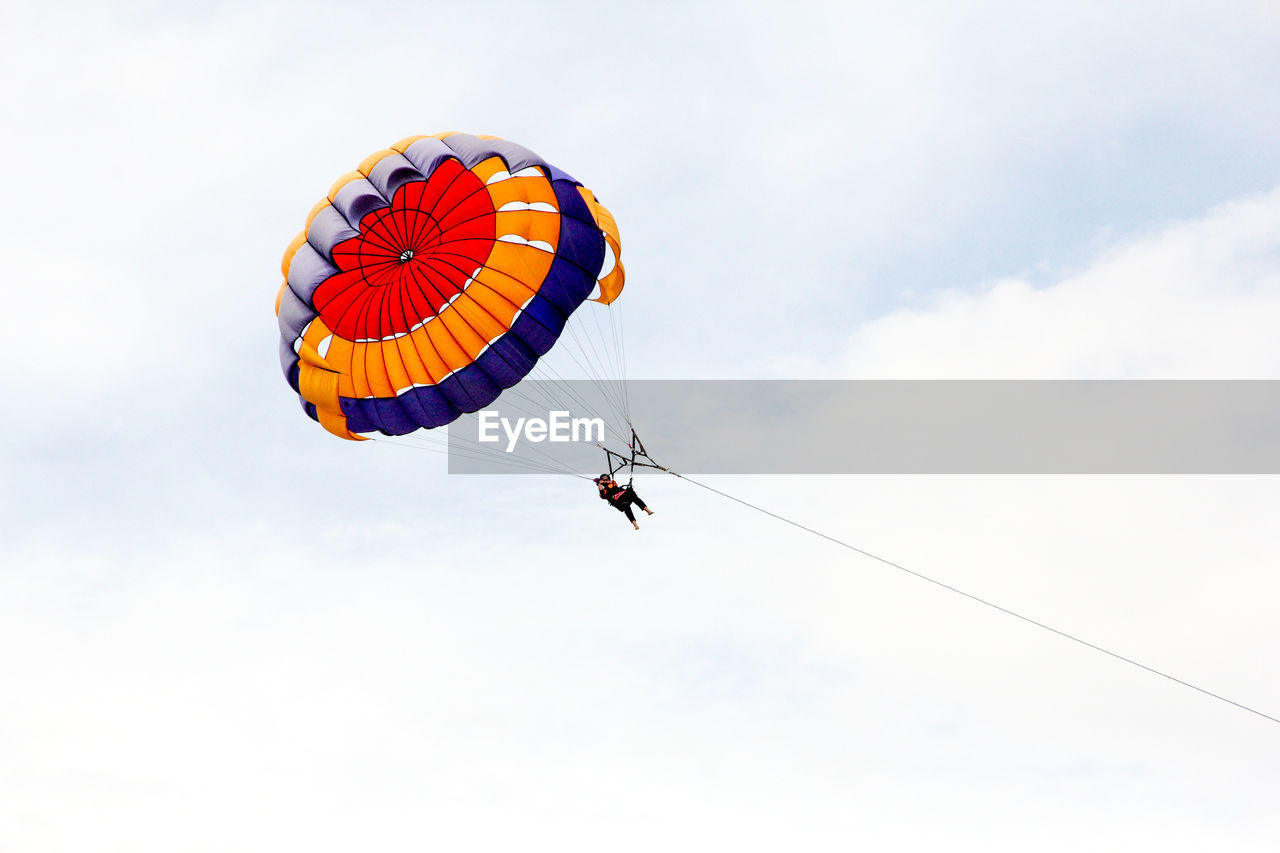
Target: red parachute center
(410,259)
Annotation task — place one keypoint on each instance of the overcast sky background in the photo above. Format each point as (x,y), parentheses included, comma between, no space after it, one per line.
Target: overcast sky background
(223,629)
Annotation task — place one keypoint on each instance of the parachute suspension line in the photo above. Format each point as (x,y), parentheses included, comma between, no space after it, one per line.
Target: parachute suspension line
(619,337)
(585,364)
(550,399)
(601,354)
(607,389)
(975,598)
(552,384)
(610,342)
(551,378)
(604,350)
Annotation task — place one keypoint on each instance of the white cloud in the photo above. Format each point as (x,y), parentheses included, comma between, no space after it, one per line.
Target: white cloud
(1197,300)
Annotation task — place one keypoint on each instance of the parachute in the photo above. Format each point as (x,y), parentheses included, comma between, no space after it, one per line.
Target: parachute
(433,278)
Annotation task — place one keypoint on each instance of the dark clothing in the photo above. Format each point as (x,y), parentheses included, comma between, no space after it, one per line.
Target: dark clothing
(620,498)
(622,501)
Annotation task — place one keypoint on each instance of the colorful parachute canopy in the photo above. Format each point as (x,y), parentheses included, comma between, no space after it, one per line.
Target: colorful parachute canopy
(433,277)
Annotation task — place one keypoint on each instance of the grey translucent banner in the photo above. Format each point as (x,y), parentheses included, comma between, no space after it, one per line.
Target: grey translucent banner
(880,427)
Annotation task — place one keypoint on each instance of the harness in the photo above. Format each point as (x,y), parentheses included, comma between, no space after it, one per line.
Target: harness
(637,458)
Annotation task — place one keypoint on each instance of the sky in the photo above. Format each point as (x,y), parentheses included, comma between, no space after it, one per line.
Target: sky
(223,629)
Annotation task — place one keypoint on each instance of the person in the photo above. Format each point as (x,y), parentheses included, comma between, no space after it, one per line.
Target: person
(620,497)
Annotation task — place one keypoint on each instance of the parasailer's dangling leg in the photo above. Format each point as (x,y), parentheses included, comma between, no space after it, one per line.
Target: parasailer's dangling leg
(623,501)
